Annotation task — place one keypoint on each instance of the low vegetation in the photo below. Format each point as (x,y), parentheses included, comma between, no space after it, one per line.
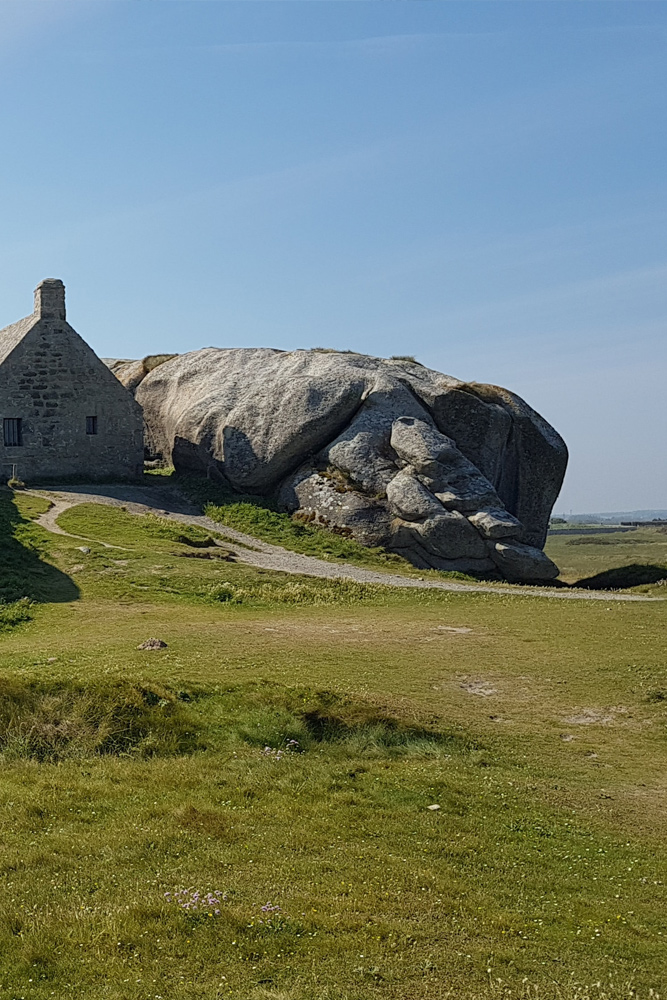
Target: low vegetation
(611,560)
(258,517)
(339,794)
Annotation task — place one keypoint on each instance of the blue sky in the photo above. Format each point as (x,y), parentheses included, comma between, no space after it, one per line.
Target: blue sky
(479,184)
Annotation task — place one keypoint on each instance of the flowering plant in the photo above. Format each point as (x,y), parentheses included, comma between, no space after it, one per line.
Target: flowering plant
(278,753)
(197,901)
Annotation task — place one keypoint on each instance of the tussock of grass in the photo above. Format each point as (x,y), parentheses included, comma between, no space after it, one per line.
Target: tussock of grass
(51,722)
(59,721)
(294,592)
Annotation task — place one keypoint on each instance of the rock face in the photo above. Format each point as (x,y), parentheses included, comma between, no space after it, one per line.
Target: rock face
(452,475)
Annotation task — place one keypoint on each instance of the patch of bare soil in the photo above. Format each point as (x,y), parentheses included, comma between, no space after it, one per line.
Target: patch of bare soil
(451,628)
(589,717)
(481,688)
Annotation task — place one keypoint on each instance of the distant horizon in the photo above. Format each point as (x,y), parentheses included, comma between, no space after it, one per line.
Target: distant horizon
(646,513)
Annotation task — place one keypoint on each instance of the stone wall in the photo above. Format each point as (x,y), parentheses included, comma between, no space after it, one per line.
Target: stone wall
(53,381)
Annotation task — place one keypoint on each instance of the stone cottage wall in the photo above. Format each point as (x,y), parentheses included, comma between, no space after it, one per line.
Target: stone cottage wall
(53,381)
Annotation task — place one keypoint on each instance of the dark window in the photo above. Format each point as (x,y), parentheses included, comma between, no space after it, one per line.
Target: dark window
(12,431)
(91,425)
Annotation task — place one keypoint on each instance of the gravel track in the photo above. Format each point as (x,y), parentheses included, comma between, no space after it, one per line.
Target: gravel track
(166,502)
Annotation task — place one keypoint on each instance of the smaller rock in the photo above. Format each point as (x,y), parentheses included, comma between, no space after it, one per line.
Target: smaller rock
(84,549)
(153,644)
(410,499)
(418,443)
(449,535)
(434,807)
(495,523)
(521,563)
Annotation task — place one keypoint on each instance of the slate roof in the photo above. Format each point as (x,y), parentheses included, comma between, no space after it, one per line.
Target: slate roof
(12,335)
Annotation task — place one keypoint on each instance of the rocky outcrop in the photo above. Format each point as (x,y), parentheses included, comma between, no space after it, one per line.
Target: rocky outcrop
(452,475)
(131,373)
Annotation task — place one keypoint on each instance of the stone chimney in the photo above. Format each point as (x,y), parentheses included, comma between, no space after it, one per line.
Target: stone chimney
(50,299)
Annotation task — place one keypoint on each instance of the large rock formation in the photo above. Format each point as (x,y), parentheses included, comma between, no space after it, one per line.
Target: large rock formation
(452,475)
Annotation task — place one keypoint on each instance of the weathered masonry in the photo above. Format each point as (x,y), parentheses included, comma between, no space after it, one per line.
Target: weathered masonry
(63,412)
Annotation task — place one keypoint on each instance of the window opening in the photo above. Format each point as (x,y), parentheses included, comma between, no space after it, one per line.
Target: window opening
(12,430)
(91,425)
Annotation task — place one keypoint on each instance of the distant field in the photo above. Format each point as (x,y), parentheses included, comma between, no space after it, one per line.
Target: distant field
(284,749)
(586,555)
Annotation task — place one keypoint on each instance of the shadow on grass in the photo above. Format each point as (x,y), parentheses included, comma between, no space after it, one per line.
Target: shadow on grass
(24,573)
(272,716)
(623,577)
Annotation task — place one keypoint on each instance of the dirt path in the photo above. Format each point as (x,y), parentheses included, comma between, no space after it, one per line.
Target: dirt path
(166,502)
(49,520)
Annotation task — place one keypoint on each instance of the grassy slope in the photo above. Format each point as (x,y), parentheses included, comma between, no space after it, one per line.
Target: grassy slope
(255,516)
(540,733)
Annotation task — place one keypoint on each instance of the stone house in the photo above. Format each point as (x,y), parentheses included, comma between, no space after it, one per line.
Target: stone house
(63,413)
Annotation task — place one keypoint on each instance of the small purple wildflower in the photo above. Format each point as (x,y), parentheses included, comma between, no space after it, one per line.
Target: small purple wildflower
(196,901)
(269,908)
(272,916)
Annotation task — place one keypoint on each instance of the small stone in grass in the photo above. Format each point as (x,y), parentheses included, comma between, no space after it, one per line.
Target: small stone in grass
(84,549)
(433,808)
(153,644)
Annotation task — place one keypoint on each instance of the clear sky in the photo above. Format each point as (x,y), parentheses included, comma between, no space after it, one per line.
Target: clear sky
(479,184)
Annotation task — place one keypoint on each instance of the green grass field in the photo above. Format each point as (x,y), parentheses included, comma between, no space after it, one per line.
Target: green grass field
(283,750)
(639,555)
